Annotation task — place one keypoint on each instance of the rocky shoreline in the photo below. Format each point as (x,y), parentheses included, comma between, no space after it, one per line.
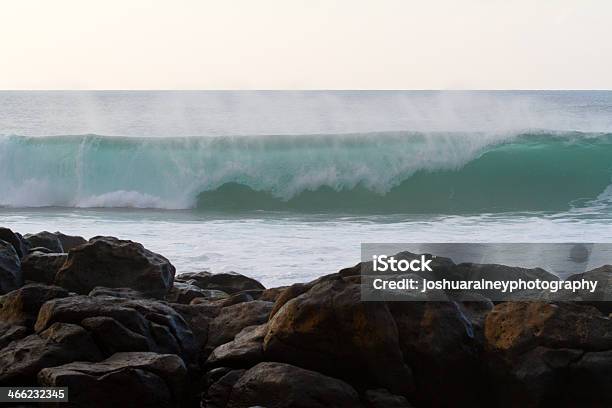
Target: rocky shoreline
(111,321)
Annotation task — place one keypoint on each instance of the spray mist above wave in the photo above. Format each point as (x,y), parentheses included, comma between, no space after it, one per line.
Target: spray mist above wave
(372,172)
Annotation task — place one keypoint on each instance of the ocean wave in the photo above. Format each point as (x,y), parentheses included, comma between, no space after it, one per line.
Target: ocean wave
(371,172)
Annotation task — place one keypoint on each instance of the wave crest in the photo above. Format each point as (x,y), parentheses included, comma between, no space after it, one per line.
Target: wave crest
(374,172)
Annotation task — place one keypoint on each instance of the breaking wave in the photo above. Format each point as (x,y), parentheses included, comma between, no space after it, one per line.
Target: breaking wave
(397,172)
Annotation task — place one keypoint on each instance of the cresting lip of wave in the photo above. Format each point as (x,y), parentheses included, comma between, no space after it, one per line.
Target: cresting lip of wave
(171,173)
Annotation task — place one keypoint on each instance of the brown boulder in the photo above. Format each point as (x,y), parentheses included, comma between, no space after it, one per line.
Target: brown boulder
(229,300)
(163,328)
(277,385)
(10,268)
(69,241)
(245,350)
(113,337)
(539,353)
(15,239)
(289,293)
(330,330)
(41,267)
(232,319)
(271,294)
(442,347)
(61,343)
(219,387)
(20,307)
(198,318)
(9,333)
(114,263)
(228,282)
(513,327)
(182,292)
(44,239)
(124,293)
(123,380)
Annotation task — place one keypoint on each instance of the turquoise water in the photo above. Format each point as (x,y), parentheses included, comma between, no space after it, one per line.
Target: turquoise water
(371,173)
(284,186)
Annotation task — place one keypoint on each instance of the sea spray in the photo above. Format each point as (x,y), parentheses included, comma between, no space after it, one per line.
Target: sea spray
(388,172)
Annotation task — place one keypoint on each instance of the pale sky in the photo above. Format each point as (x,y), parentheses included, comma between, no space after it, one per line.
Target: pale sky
(305,44)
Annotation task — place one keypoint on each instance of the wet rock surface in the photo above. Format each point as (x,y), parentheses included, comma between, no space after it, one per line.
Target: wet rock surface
(142,322)
(364,348)
(44,239)
(229,282)
(125,379)
(16,240)
(114,263)
(232,319)
(69,241)
(541,350)
(278,385)
(42,267)
(60,343)
(10,268)
(20,307)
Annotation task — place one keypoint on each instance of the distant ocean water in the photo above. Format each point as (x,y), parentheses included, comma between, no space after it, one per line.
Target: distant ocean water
(284,186)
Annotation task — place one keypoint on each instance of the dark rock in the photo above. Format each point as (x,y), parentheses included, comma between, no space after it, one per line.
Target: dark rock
(232,319)
(591,377)
(198,317)
(255,294)
(61,343)
(277,385)
(9,333)
(210,295)
(218,392)
(536,353)
(439,342)
(114,263)
(113,337)
(45,239)
(476,311)
(41,267)
(228,282)
(271,294)
(329,329)
(514,327)
(10,268)
(602,297)
(382,398)
(69,241)
(15,239)
(245,350)
(289,293)
(124,293)
(234,299)
(123,380)
(184,293)
(20,307)
(165,330)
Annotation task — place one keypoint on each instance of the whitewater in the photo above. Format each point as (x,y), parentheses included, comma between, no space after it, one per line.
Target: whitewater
(372,173)
(223,180)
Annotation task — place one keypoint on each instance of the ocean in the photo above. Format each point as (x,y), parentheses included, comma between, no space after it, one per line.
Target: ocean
(285,186)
